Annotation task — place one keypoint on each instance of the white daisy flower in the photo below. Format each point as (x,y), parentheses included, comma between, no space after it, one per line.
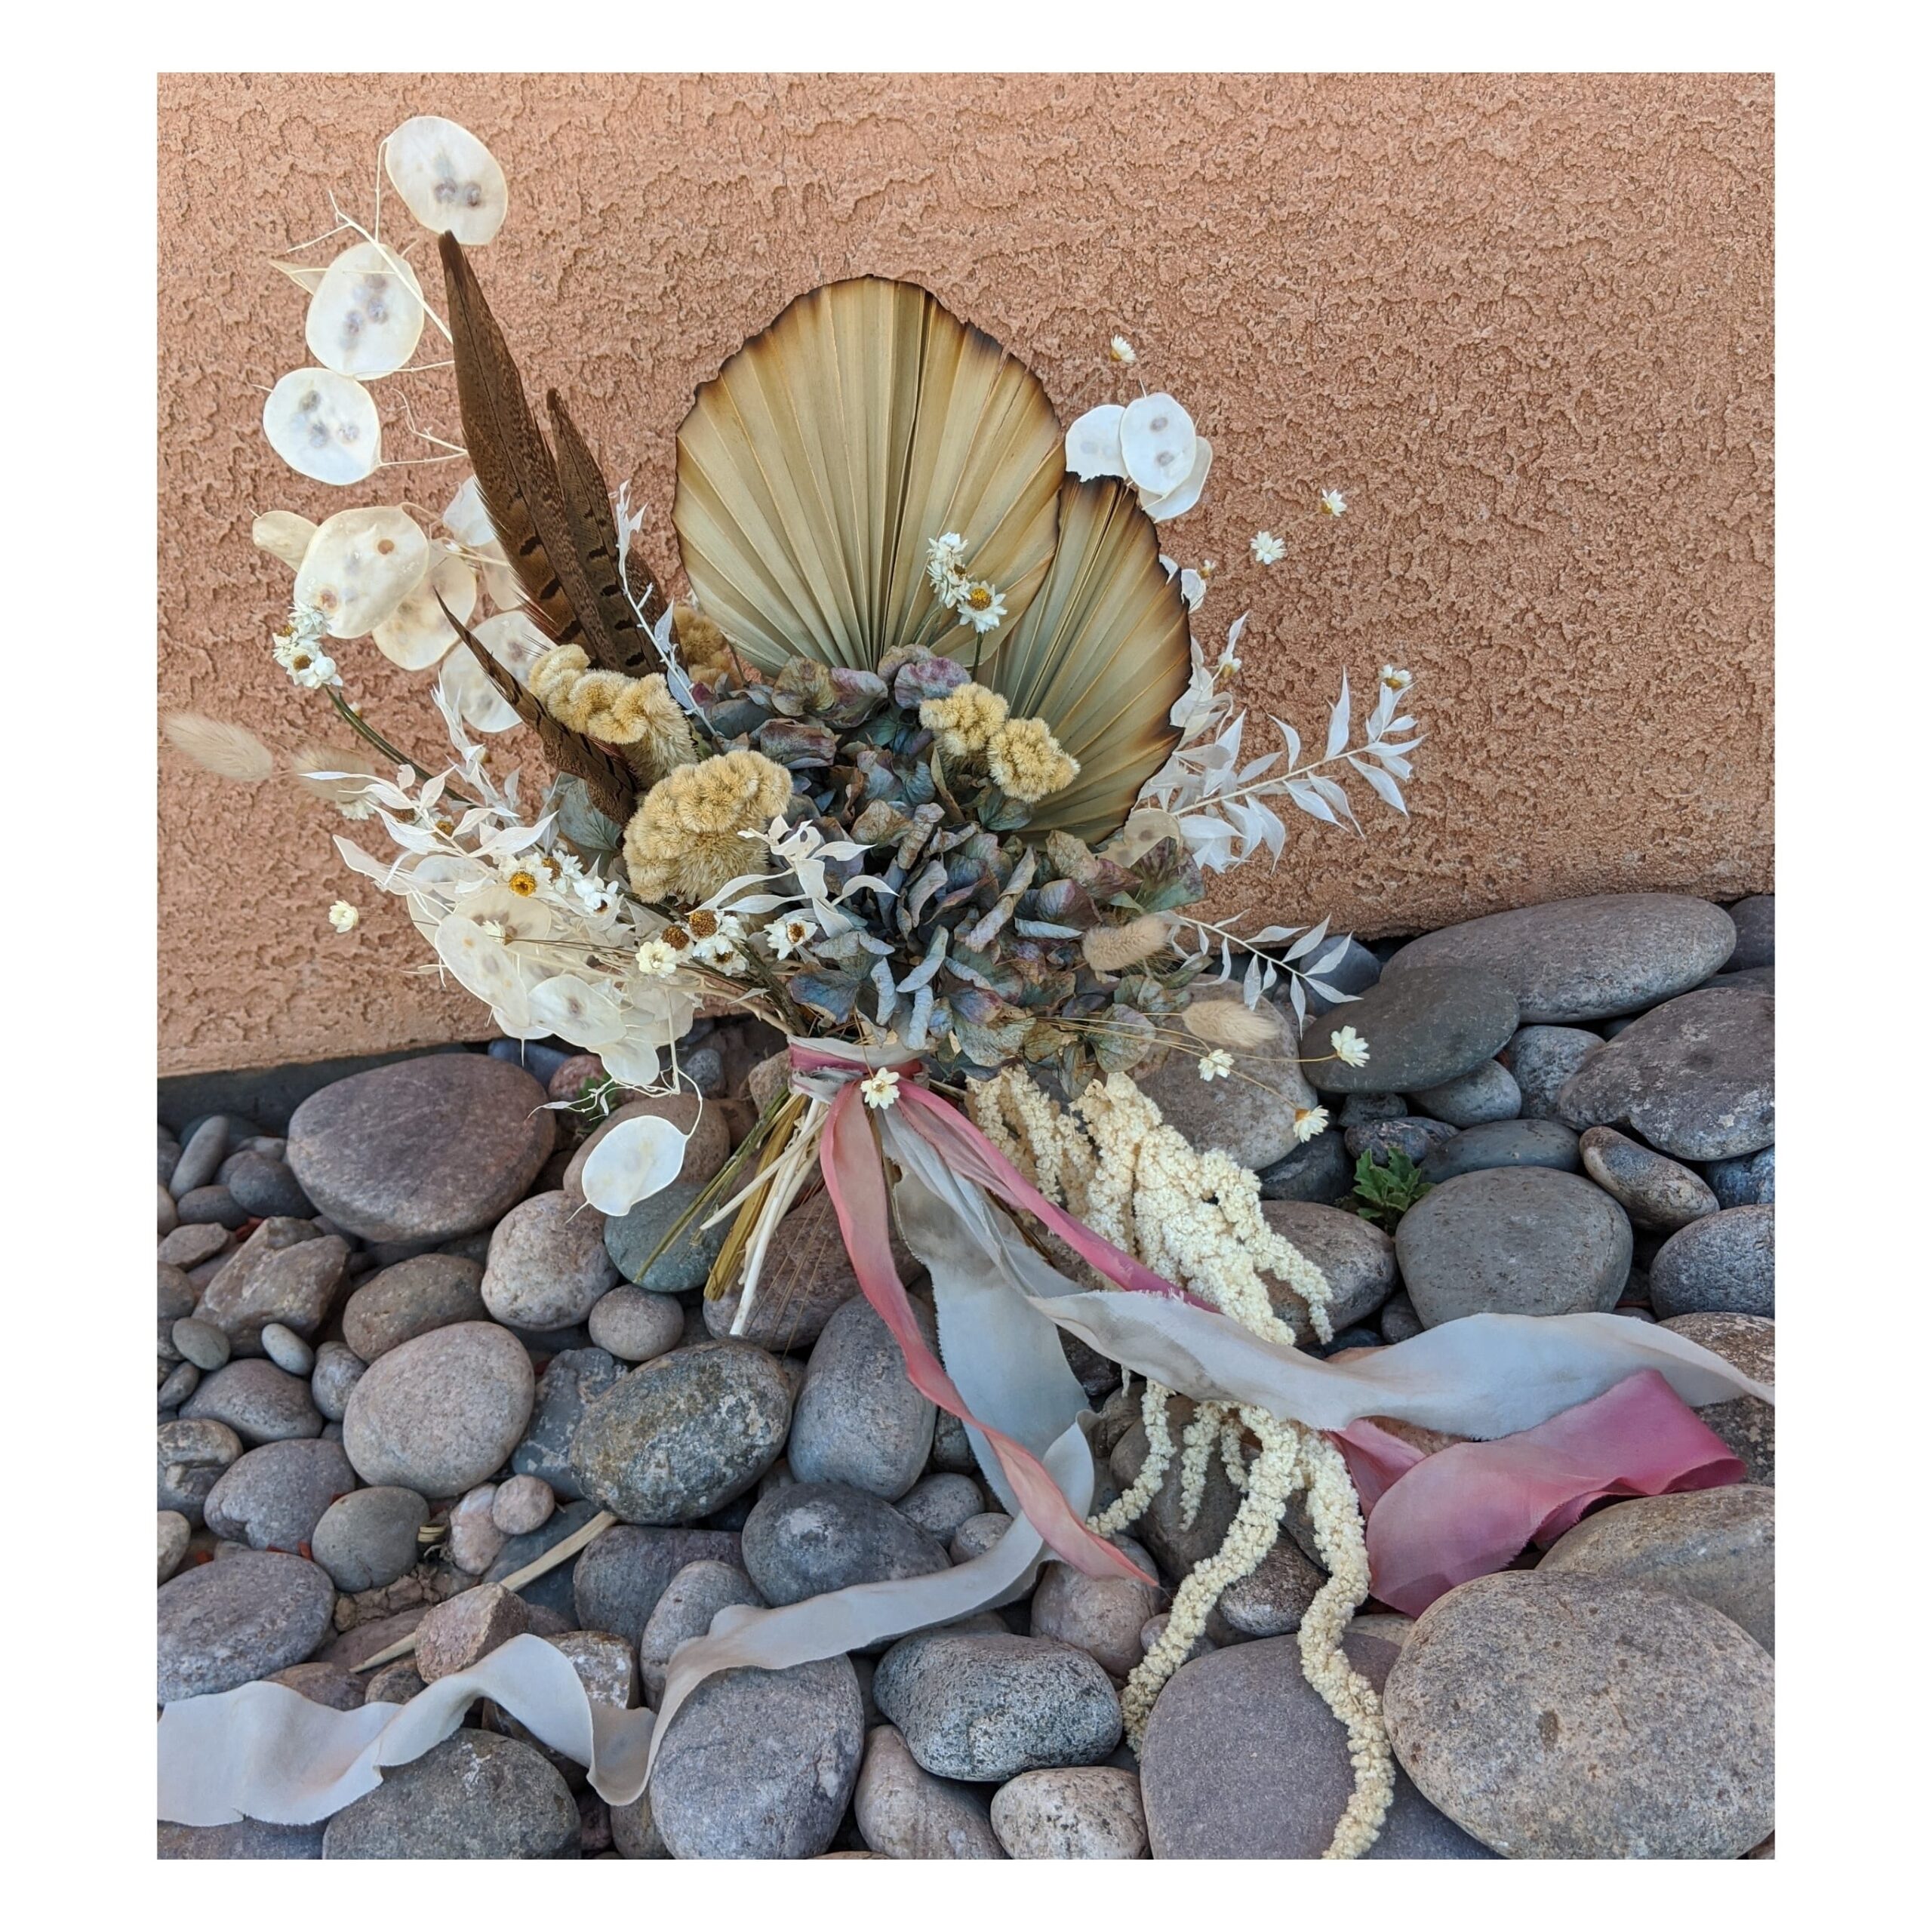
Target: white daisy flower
(656,960)
(1396,680)
(1351,1049)
(945,566)
(1334,501)
(1216,1065)
(880,1089)
(344,917)
(1121,351)
(1267,547)
(980,605)
(1309,1121)
(785,937)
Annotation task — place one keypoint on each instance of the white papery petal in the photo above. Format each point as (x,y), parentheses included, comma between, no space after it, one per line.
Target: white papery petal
(450,180)
(514,640)
(366,316)
(324,425)
(633,1160)
(416,633)
(482,965)
(581,1014)
(1157,442)
(283,534)
(360,566)
(633,1061)
(1093,443)
(466,684)
(465,519)
(1184,494)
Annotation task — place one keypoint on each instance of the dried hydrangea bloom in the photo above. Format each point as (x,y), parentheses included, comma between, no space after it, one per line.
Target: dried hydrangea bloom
(360,566)
(283,535)
(417,633)
(1185,494)
(1157,442)
(324,425)
(683,842)
(450,181)
(1092,442)
(365,317)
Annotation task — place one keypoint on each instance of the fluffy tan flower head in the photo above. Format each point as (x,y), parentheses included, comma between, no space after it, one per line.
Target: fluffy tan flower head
(683,843)
(963,722)
(618,710)
(1026,762)
(700,643)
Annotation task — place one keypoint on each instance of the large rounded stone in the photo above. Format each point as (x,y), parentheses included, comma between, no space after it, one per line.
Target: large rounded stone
(1177,1541)
(1359,1258)
(1656,1192)
(1100,1615)
(807,1277)
(1540,1059)
(283,1272)
(366,1539)
(691,1599)
(807,1538)
(1746,1426)
(1317,1169)
(1694,1077)
(548,1264)
(622,1577)
(440,1413)
(903,1812)
(1750,1180)
(1568,1716)
(273,1497)
(1430,1027)
(1249,1116)
(760,1763)
(247,1617)
(1724,1264)
(682,1435)
(858,1419)
(641,1248)
(1270,1601)
(1717,1545)
(191,1454)
(260,1402)
(1572,959)
(1755,919)
(1513,1241)
(338,1368)
(1080,1811)
(1486,1092)
(474,1795)
(422,1149)
(569,1382)
(1242,1759)
(985,1708)
(1504,1143)
(248,1837)
(635,1326)
(398,1304)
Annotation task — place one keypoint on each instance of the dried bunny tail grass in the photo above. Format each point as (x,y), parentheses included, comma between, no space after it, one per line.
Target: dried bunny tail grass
(305,764)
(1114,949)
(1228,1022)
(227,750)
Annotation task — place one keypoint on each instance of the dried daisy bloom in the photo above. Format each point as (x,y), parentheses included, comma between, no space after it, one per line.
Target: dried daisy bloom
(619,710)
(1026,762)
(1267,547)
(683,842)
(981,605)
(963,722)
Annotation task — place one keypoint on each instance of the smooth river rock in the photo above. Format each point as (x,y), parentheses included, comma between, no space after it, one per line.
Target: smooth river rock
(1724,1264)
(1243,1760)
(1540,1059)
(858,1419)
(1747,1427)
(807,1538)
(1572,1716)
(1250,1116)
(273,1497)
(260,1402)
(1079,1811)
(397,1303)
(807,1278)
(548,1264)
(1504,1143)
(250,1614)
(1656,1192)
(569,1382)
(366,1539)
(422,1150)
(1486,1092)
(1572,959)
(682,1435)
(1694,1077)
(622,1577)
(1432,1026)
(474,1795)
(440,1413)
(903,1812)
(1357,1258)
(1717,1545)
(1513,1241)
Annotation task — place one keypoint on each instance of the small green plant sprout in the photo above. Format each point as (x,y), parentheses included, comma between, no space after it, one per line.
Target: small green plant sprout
(1386,1190)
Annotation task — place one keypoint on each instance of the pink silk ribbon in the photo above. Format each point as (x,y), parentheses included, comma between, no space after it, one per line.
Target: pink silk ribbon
(1437,1521)
(855,1179)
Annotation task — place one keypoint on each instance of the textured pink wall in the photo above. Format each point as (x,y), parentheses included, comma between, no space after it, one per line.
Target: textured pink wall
(1525,324)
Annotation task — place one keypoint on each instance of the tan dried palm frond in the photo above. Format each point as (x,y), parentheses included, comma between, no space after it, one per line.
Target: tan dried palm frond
(1102,654)
(814,469)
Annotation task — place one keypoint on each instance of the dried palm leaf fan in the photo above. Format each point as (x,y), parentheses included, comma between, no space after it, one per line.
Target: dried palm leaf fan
(868,419)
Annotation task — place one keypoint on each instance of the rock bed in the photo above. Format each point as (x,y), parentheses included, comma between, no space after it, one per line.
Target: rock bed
(398,1357)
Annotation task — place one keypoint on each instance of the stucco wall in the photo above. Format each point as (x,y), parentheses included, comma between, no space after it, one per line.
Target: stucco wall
(1524,325)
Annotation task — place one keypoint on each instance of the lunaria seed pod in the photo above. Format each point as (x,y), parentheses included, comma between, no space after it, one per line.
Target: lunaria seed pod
(1157,442)
(449,179)
(1093,443)
(465,686)
(416,633)
(360,566)
(283,535)
(366,316)
(324,425)
(1184,494)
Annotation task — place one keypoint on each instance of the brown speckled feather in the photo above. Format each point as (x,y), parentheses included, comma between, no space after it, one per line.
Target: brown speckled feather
(593,531)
